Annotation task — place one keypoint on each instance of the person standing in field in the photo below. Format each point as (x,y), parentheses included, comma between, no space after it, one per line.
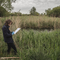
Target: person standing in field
(8,36)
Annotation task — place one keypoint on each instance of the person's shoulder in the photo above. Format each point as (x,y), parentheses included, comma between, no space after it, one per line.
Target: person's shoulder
(3,27)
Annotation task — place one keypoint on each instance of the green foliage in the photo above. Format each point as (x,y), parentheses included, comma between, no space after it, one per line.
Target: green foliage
(3,12)
(7,4)
(33,11)
(33,44)
(37,14)
(40,46)
(55,12)
(16,14)
(48,12)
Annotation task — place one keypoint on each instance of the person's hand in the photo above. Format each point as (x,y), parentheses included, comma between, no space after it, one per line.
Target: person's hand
(12,33)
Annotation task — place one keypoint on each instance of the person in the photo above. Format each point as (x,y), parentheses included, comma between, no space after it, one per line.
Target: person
(8,36)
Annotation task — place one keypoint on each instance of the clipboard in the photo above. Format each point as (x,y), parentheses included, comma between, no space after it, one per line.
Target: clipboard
(16,30)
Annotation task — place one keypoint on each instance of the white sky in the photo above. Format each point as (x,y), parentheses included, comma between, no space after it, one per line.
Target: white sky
(41,5)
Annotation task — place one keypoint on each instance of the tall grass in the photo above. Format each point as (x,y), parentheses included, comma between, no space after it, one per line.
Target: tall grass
(34,22)
(33,44)
(36,45)
(39,22)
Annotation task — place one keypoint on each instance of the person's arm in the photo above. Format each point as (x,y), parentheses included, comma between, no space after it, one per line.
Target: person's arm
(6,33)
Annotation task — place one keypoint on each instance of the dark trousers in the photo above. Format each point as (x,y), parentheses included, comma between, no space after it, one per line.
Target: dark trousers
(11,45)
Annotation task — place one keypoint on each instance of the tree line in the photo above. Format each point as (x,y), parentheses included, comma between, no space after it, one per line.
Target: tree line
(6,7)
(4,12)
(55,12)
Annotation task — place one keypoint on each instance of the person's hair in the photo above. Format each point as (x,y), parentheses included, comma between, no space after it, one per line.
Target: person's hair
(8,22)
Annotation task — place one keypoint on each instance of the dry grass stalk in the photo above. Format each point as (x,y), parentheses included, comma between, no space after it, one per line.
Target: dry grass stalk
(9,58)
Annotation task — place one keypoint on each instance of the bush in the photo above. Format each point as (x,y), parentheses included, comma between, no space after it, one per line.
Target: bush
(16,14)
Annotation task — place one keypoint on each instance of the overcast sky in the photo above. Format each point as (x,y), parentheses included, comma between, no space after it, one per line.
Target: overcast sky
(41,5)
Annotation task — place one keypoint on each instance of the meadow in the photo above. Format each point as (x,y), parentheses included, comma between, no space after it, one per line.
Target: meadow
(31,41)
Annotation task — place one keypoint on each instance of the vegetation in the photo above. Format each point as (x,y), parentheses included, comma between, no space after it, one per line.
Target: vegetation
(33,11)
(32,44)
(55,12)
(7,4)
(5,7)
(16,14)
(3,12)
(37,22)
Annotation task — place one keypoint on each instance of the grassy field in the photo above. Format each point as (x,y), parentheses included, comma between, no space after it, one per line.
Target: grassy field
(32,44)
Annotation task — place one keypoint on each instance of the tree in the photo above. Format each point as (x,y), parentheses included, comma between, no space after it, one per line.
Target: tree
(3,12)
(7,4)
(48,11)
(33,11)
(37,14)
(55,12)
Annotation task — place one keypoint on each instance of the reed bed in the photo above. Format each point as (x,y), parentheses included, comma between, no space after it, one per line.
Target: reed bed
(33,44)
(34,22)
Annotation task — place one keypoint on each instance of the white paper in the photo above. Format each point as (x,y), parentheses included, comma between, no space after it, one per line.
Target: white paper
(16,30)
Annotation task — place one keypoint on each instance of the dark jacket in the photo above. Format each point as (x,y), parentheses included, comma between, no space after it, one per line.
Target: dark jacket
(7,34)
